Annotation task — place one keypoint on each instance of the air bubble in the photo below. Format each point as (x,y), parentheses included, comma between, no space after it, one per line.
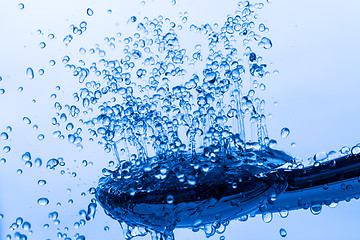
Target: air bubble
(21,6)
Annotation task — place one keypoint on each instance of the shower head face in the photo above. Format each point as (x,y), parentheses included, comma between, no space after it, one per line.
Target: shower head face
(192,191)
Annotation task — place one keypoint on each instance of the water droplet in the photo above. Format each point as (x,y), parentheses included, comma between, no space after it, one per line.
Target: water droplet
(345,150)
(21,6)
(355,150)
(7,149)
(43,201)
(69,126)
(30,73)
(41,137)
(321,156)
(52,163)
(26,226)
(283,232)
(284,213)
(316,209)
(26,120)
(67,39)
(26,156)
(28,164)
(4,135)
(41,182)
(38,162)
(265,43)
(91,211)
(42,45)
(170,199)
(267,217)
(285,132)
(89,12)
(19,171)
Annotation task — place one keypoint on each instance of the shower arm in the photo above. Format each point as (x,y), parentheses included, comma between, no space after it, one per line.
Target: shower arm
(330,182)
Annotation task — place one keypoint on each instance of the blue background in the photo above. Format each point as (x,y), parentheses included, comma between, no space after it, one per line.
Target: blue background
(315,48)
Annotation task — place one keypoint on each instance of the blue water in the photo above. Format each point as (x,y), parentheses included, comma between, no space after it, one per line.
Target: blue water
(167,89)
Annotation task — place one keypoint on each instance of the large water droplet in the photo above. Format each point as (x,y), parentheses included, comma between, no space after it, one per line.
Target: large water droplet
(267,217)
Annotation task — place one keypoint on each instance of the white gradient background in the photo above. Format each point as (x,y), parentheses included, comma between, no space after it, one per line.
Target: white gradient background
(315,48)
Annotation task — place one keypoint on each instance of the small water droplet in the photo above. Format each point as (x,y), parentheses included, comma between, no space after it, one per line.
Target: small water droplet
(89,12)
(285,132)
(284,213)
(38,162)
(4,135)
(170,199)
(28,164)
(41,182)
(26,226)
(69,126)
(43,201)
(30,73)
(283,232)
(7,149)
(41,137)
(26,120)
(21,6)
(26,156)
(345,150)
(42,45)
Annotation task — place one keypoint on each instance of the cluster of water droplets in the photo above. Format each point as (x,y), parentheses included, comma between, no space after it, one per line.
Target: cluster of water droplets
(157,101)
